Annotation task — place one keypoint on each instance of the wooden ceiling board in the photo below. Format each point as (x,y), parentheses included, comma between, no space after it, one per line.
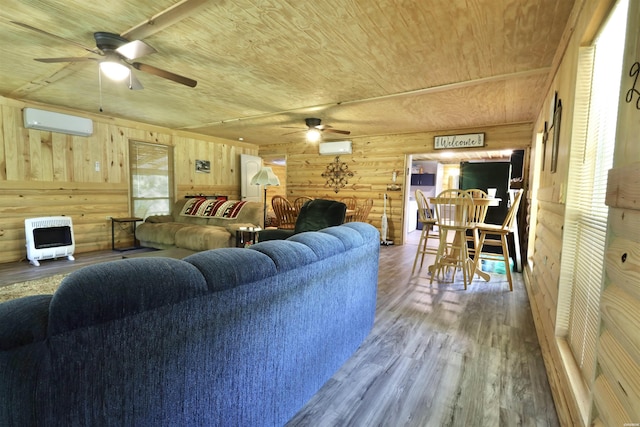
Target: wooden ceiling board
(375,68)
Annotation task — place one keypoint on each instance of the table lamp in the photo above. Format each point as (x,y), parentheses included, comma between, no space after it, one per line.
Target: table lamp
(265,177)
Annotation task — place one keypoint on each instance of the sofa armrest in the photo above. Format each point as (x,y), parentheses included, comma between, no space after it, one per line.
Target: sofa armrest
(159,218)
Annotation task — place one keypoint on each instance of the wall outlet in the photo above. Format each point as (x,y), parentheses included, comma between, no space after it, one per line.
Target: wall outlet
(97,166)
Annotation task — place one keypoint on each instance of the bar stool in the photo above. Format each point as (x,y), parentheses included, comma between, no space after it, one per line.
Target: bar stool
(452,212)
(428,221)
(477,214)
(500,233)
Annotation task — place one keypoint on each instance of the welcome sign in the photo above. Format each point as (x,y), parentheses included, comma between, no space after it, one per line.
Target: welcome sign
(459,141)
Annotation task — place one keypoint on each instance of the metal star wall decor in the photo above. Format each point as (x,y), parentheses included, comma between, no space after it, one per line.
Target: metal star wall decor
(337,174)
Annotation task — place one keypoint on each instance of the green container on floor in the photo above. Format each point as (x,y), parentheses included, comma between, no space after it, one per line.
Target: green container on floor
(497,267)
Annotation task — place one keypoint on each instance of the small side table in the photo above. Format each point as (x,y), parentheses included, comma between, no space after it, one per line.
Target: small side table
(132,220)
(247,236)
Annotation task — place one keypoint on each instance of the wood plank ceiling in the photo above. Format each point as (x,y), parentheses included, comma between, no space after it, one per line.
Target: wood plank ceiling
(262,66)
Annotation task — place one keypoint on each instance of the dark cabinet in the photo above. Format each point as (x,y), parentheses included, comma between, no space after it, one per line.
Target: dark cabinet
(423,179)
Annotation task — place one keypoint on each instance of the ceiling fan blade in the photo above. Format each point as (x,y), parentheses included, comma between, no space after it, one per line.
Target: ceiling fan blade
(342,132)
(297,131)
(38,30)
(164,74)
(135,49)
(70,59)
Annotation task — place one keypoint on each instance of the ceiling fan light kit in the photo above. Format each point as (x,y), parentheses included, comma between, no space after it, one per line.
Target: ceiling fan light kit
(313,135)
(315,128)
(114,69)
(116,52)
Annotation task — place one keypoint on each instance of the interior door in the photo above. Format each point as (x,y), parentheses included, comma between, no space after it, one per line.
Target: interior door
(249,166)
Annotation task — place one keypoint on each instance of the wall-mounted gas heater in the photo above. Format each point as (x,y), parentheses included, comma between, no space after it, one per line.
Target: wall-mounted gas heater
(49,238)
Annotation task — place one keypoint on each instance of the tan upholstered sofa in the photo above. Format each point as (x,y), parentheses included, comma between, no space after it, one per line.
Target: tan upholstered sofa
(192,226)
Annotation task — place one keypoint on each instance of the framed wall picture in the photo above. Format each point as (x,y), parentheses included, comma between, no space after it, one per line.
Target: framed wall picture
(203,166)
(557,116)
(545,138)
(552,109)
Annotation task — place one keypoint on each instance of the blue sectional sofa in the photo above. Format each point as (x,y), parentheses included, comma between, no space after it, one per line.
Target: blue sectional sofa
(229,337)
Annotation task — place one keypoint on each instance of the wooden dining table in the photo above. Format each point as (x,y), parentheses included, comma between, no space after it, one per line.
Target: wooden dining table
(481,201)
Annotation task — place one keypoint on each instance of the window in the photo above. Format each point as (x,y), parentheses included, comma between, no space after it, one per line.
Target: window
(585,225)
(151,168)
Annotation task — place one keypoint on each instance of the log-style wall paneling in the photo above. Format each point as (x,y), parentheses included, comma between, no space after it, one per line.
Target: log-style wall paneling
(373,161)
(87,204)
(46,174)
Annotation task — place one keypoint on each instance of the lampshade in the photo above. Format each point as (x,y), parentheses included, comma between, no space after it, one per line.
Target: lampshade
(265,176)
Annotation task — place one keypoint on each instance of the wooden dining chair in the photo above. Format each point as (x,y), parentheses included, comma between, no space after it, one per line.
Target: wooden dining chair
(362,211)
(427,218)
(285,212)
(352,204)
(498,233)
(297,203)
(477,214)
(452,213)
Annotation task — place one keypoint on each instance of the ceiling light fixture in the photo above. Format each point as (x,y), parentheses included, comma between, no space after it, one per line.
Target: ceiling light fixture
(113,68)
(313,135)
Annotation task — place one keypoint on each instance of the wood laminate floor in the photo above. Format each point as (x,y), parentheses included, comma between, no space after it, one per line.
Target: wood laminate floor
(437,356)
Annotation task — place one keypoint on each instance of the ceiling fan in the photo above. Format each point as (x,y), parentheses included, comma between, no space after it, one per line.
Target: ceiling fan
(116,57)
(315,129)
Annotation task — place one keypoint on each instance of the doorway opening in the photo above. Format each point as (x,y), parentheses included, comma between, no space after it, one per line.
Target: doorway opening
(434,172)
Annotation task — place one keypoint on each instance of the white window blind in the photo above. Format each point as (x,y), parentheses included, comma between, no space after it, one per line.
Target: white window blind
(593,141)
(151,170)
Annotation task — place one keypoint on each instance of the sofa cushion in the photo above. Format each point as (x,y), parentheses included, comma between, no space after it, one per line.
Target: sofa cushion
(161,233)
(201,207)
(286,254)
(113,290)
(230,267)
(201,238)
(322,244)
(24,321)
(348,237)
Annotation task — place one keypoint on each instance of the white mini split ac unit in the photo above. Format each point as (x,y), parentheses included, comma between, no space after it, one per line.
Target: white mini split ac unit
(335,148)
(57,122)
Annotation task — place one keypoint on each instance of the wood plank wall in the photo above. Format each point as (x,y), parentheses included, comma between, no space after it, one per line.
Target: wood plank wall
(373,161)
(47,174)
(617,385)
(615,398)
(542,275)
